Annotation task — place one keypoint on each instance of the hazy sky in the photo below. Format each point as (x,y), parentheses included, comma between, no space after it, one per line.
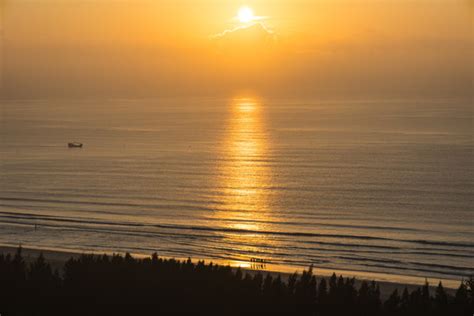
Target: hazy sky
(314,48)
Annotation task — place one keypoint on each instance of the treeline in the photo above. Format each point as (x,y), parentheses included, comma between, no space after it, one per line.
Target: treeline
(123,285)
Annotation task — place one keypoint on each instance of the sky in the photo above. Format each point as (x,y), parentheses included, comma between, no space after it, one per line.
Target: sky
(291,48)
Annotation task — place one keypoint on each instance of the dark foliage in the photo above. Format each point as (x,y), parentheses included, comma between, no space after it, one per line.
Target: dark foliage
(123,285)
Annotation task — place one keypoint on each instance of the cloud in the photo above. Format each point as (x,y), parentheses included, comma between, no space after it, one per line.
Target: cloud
(254,33)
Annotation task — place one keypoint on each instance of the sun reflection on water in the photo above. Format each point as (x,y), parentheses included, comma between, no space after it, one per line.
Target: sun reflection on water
(245,178)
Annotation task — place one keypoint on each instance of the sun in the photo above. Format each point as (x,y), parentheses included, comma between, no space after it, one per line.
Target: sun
(245,15)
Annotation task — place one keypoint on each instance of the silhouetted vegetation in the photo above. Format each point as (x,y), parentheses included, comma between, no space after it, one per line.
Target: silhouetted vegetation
(123,285)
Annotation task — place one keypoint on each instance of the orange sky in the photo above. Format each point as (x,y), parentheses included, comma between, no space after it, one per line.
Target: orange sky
(301,47)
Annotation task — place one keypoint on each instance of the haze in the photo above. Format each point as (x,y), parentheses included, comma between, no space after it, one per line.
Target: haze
(315,48)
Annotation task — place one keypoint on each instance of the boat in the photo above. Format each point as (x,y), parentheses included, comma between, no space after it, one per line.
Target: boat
(74,145)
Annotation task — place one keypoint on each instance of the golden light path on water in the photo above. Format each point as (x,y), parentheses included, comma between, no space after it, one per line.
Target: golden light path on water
(245,178)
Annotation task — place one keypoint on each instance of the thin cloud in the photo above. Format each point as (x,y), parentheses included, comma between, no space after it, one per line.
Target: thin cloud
(225,33)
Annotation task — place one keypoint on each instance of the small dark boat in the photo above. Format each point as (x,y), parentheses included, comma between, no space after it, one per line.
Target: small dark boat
(74,145)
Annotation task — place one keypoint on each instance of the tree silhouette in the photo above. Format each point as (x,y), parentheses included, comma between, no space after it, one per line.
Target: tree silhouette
(322,292)
(393,303)
(122,285)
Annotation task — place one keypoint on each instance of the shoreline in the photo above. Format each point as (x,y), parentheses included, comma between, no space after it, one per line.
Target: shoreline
(57,257)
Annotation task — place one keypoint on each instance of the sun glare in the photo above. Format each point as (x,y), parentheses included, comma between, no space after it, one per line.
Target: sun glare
(245,15)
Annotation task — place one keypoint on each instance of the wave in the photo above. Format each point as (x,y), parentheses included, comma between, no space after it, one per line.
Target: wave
(398,262)
(305,218)
(187,207)
(29,216)
(251,221)
(211,245)
(443,272)
(102,203)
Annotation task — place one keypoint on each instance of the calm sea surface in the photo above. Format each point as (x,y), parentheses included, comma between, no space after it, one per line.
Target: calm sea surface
(376,186)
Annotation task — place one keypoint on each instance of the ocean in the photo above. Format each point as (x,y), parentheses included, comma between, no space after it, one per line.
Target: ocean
(374,186)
